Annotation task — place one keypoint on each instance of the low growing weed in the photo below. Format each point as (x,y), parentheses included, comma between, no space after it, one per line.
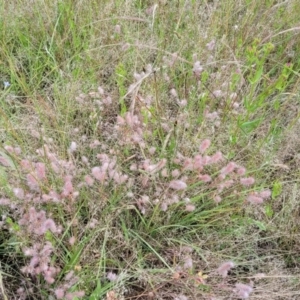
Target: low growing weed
(147,168)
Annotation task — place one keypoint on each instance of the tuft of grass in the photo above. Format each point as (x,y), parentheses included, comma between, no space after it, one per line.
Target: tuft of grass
(146,146)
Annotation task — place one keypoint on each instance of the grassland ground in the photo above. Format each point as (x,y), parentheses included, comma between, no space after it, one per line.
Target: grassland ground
(149,150)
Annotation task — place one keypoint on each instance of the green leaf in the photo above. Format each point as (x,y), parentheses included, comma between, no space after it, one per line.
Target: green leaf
(100,291)
(269,211)
(13,225)
(204,76)
(251,125)
(257,76)
(277,189)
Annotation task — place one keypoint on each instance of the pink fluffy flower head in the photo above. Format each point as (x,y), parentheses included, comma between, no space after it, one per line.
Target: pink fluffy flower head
(243,290)
(204,146)
(177,185)
(225,268)
(247,181)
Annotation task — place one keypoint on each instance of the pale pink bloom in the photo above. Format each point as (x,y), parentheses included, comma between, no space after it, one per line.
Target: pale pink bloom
(233,96)
(225,268)
(74,295)
(85,159)
(34,261)
(255,199)
(102,157)
(133,167)
(165,127)
(259,275)
(149,68)
(40,170)
(98,174)
(188,263)
(94,94)
(177,185)
(221,177)
(205,178)
(72,240)
(4,162)
(173,199)
(29,252)
(114,175)
(243,291)
(100,89)
(218,156)
(137,76)
(235,105)
(145,181)
(211,45)
(49,280)
(187,200)
(247,181)
(181,297)
(197,68)
(241,171)
(107,100)
(152,150)
(111,276)
(20,290)
(228,183)
(188,164)
(32,182)
(173,93)
(164,206)
(117,29)
(68,186)
(54,271)
(166,77)
(59,293)
(50,224)
(164,172)
(89,180)
(73,147)
(190,207)
(92,223)
(204,145)
(79,294)
(55,167)
(69,276)
(184,178)
(94,144)
(198,162)
(162,163)
(53,196)
(265,194)
(17,150)
(120,120)
(125,47)
(19,193)
(183,103)
(187,249)
(70,296)
(206,160)
(212,116)
(123,178)
(145,199)
(221,187)
(218,93)
(175,173)
(228,169)
(9,149)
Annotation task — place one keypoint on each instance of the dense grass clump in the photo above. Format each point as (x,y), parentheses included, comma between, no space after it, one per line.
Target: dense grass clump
(149,150)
